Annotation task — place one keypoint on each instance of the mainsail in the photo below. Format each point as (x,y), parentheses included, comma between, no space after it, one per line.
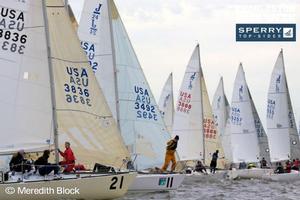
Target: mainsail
(243,132)
(221,111)
(282,131)
(166,103)
(188,116)
(25,99)
(123,82)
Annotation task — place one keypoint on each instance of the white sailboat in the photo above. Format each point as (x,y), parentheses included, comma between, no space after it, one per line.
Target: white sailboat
(50,97)
(221,111)
(193,120)
(282,130)
(166,103)
(249,142)
(125,87)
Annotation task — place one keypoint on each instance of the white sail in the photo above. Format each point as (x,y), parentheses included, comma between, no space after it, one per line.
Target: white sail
(124,84)
(264,150)
(212,140)
(188,113)
(166,103)
(95,35)
(282,131)
(83,116)
(25,99)
(243,133)
(221,111)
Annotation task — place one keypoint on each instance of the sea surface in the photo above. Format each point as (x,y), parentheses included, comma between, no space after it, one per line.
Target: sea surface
(210,188)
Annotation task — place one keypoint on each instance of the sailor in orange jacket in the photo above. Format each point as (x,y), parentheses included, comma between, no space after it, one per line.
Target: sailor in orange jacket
(170,154)
(69,158)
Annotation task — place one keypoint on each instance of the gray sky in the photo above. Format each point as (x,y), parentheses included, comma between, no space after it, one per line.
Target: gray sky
(165,32)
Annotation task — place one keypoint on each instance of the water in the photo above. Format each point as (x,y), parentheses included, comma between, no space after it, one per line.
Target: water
(209,188)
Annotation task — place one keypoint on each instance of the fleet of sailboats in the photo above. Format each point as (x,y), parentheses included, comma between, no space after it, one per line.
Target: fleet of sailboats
(52,96)
(83,83)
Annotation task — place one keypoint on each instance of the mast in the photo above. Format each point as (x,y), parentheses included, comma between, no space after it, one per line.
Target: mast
(172,97)
(52,87)
(114,64)
(202,113)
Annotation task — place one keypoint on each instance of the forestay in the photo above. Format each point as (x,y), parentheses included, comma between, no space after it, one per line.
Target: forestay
(282,131)
(243,133)
(166,103)
(140,122)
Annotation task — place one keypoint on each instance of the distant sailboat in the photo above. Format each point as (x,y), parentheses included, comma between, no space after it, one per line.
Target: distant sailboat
(193,120)
(248,138)
(282,130)
(243,132)
(52,96)
(125,87)
(166,103)
(221,110)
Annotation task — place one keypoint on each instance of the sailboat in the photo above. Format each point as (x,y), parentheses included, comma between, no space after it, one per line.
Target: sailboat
(193,120)
(51,96)
(221,112)
(282,130)
(166,103)
(125,87)
(249,141)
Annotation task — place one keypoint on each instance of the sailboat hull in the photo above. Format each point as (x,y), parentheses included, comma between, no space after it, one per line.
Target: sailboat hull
(156,182)
(286,177)
(255,173)
(92,186)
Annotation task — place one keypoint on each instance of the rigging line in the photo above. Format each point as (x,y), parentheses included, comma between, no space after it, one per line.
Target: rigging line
(86,62)
(72,110)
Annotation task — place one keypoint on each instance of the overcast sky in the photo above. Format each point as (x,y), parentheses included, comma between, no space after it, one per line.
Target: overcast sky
(165,32)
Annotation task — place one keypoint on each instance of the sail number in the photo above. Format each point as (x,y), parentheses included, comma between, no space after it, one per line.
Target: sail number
(144,108)
(166,181)
(116,183)
(76,90)
(11,28)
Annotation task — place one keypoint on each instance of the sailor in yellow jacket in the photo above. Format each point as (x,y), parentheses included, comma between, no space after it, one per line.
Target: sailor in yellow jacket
(170,154)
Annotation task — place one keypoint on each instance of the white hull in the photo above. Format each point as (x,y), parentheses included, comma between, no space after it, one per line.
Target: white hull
(156,182)
(256,173)
(219,175)
(293,176)
(87,186)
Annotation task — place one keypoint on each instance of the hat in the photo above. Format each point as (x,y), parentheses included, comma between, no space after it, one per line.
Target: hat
(177,137)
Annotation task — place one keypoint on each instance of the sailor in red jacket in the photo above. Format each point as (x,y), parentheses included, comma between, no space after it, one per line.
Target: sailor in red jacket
(69,159)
